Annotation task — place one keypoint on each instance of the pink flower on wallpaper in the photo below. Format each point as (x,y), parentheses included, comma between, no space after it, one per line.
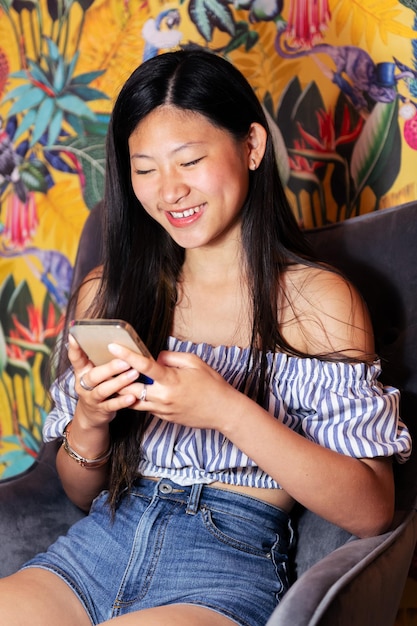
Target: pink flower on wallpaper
(21,220)
(4,70)
(307,20)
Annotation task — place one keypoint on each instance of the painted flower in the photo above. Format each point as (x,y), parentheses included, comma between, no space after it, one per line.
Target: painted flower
(328,139)
(300,164)
(307,21)
(39,330)
(15,352)
(4,70)
(21,220)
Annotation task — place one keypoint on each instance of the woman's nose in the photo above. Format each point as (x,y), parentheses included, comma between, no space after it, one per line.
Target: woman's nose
(173,189)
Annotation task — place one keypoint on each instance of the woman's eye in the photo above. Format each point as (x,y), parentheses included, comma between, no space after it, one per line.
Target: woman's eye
(193,162)
(143,172)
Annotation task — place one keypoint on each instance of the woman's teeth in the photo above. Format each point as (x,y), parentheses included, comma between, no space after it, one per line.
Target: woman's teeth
(187,213)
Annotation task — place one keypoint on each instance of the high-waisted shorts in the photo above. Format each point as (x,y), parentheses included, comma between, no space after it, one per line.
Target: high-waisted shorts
(170,544)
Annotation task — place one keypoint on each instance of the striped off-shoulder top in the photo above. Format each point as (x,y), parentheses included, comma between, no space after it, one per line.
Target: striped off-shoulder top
(341,406)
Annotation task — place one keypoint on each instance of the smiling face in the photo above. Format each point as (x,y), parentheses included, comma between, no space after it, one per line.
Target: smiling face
(191,176)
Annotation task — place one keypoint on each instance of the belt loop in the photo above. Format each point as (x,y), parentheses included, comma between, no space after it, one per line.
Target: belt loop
(194,498)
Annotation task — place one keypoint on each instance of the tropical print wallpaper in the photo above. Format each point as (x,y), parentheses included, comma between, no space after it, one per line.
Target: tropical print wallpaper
(338,79)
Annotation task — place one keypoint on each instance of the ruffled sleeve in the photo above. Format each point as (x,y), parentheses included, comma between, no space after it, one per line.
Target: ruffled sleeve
(344,407)
(65,400)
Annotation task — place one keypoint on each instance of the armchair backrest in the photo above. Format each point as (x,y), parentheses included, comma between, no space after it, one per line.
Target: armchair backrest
(378,253)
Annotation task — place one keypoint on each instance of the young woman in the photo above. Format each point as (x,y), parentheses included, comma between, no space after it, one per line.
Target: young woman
(264,391)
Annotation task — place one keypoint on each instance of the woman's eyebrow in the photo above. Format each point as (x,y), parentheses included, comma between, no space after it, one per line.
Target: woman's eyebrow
(189,144)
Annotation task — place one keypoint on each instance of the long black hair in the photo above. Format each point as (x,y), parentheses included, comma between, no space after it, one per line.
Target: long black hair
(142,264)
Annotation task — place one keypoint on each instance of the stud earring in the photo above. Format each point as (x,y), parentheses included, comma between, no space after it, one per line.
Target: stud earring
(253,165)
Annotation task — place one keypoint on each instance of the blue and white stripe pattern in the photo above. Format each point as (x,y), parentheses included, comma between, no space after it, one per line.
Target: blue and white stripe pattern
(341,406)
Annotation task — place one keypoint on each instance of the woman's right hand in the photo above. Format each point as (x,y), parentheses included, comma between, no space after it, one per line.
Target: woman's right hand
(99,399)
(89,435)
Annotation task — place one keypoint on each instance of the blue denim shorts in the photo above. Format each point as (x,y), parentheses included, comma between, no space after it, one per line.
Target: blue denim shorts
(170,544)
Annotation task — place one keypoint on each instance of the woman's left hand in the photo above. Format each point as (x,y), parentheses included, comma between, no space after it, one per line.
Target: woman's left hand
(185,389)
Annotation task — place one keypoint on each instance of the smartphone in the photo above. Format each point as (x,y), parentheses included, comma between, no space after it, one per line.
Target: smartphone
(94,336)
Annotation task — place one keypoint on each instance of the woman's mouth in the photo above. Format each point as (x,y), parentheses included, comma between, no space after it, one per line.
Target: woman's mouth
(186,217)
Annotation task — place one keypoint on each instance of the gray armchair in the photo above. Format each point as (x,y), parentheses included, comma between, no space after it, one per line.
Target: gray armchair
(339,580)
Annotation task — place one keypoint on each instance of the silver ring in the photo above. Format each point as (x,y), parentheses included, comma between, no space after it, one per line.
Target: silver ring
(84,384)
(143,393)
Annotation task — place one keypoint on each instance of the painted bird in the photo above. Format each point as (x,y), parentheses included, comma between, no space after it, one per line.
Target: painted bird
(155,35)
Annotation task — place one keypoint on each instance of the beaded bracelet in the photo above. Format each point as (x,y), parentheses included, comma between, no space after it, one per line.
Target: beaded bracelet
(87,463)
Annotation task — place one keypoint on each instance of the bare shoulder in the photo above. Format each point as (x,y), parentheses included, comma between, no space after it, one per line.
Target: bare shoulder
(88,291)
(326,313)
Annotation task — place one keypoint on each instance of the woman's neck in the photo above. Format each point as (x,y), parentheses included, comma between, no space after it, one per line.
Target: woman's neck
(213,304)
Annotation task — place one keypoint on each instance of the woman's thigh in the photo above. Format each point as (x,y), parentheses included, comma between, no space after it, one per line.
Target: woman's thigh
(39,598)
(173,615)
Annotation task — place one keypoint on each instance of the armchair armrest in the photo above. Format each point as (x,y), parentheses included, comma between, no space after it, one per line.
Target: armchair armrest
(359,583)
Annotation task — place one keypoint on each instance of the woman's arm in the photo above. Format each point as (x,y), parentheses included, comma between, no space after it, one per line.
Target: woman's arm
(357,494)
(89,431)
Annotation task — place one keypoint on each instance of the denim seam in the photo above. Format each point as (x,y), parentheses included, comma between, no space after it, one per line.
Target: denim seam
(211,527)
(119,603)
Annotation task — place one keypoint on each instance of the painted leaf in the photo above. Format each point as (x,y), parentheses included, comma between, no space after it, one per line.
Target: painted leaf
(19,301)
(90,152)
(306,107)
(289,97)
(88,77)
(386,171)
(209,14)
(53,50)
(34,175)
(39,75)
(6,5)
(26,123)
(3,351)
(243,37)
(32,98)
(280,149)
(72,103)
(19,367)
(17,462)
(18,92)
(29,439)
(43,117)
(373,149)
(87,93)
(59,76)
(6,291)
(99,126)
(55,126)
(76,123)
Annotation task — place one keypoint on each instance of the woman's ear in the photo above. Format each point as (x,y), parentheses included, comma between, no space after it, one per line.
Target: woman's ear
(256,142)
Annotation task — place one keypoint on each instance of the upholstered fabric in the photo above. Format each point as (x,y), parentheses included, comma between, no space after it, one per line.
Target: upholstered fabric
(34,511)
(358,584)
